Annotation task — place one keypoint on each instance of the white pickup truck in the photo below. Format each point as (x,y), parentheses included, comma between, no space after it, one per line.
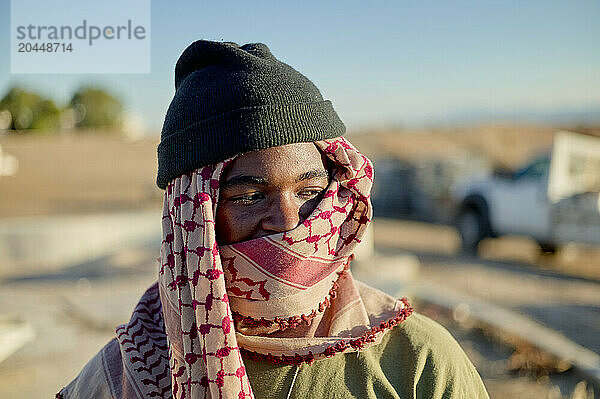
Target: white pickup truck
(554,199)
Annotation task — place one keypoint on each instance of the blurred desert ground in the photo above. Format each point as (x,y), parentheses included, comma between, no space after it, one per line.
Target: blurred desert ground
(99,172)
(78,173)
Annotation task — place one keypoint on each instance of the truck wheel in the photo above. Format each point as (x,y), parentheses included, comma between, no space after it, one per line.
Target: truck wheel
(471,228)
(547,248)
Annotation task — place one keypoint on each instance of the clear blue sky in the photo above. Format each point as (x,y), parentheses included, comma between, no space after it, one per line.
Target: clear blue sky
(381,63)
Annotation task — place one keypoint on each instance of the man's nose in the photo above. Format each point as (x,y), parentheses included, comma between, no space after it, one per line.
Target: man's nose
(282,215)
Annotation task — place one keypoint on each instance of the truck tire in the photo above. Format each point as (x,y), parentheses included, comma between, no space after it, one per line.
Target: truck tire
(472,229)
(547,248)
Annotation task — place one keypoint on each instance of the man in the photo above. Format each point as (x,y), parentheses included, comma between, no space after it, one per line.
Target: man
(265,203)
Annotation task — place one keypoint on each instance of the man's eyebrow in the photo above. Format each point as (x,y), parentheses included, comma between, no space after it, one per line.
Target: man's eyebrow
(245,180)
(312,174)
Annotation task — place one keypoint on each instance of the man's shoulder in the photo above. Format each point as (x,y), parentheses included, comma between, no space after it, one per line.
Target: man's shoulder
(431,358)
(419,336)
(420,333)
(417,333)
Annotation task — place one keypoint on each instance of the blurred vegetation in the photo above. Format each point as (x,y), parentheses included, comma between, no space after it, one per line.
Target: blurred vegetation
(89,107)
(28,110)
(94,107)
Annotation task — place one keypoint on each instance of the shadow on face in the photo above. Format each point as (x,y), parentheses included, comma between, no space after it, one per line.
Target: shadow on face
(269,191)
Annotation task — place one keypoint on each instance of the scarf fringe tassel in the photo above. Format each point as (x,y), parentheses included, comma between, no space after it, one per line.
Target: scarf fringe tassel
(356,343)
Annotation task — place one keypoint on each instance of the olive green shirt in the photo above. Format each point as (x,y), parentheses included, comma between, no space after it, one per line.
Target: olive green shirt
(417,359)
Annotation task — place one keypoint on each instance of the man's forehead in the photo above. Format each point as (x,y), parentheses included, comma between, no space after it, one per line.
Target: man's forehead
(300,161)
(297,156)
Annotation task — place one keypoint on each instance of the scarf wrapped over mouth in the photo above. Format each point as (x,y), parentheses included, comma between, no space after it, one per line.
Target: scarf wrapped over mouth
(284,298)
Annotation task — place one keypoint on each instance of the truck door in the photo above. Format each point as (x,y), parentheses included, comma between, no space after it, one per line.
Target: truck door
(520,205)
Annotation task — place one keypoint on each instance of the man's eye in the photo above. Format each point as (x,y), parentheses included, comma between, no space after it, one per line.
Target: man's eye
(247,199)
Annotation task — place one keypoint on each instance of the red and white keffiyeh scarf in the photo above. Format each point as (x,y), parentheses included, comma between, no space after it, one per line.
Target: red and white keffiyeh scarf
(283,298)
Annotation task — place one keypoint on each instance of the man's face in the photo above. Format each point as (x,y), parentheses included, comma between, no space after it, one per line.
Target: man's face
(269,191)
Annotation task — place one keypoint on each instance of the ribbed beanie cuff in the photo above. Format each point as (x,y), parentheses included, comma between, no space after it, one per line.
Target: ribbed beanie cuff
(231,100)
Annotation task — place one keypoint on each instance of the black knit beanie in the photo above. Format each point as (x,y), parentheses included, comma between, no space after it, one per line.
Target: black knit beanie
(231,99)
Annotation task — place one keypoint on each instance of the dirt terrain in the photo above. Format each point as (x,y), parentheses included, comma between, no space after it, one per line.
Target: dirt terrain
(78,174)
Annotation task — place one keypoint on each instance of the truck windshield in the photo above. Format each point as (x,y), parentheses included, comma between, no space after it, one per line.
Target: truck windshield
(535,170)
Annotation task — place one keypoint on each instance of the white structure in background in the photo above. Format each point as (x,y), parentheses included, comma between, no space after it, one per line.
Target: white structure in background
(8,164)
(554,199)
(575,166)
(68,119)
(133,126)
(5,120)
